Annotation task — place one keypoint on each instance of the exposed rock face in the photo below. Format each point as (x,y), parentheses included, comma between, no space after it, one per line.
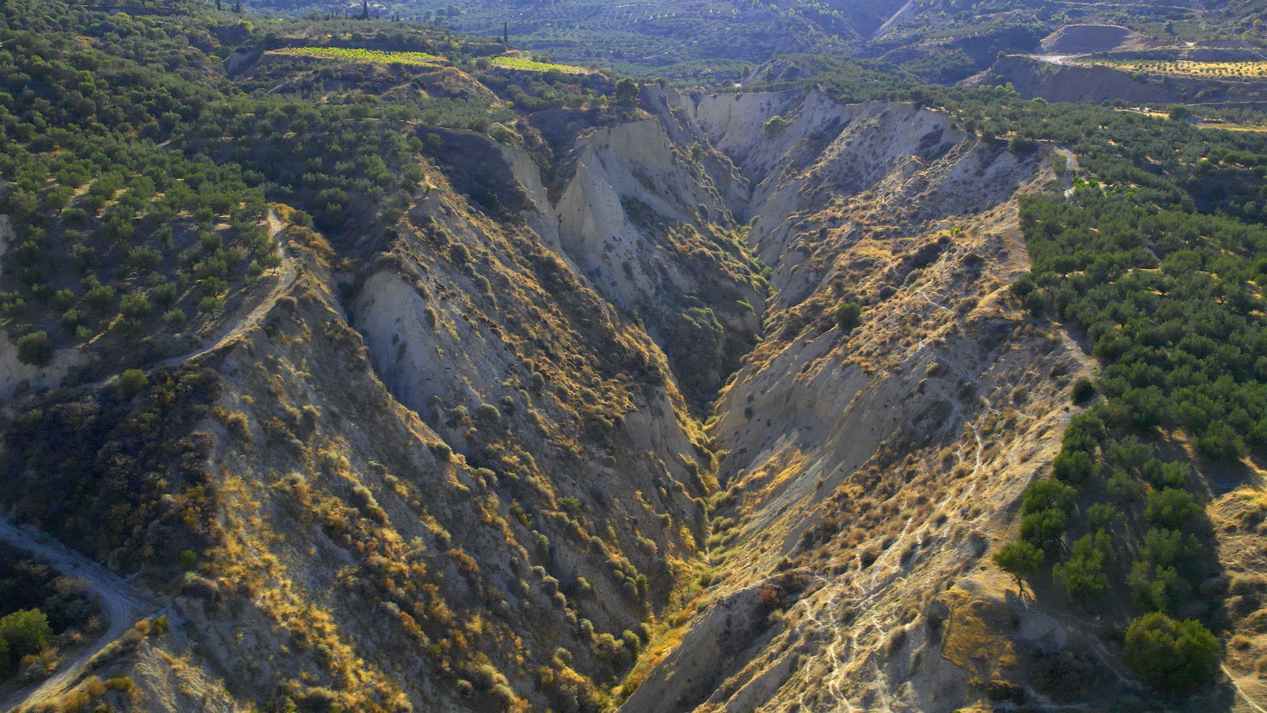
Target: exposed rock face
(866,469)
(643,222)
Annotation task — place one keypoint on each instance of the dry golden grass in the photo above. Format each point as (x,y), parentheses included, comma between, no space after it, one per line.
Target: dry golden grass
(975,635)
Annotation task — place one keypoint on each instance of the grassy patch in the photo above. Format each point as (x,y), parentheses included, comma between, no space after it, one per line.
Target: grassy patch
(1240,128)
(362,56)
(523,64)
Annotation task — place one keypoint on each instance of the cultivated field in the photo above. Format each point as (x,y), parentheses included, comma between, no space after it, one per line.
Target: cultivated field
(523,64)
(362,56)
(1188,68)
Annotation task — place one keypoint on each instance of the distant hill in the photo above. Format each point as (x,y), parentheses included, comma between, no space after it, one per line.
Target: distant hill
(937,40)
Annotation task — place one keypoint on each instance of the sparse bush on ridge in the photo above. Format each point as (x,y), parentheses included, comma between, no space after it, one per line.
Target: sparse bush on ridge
(776,125)
(847,317)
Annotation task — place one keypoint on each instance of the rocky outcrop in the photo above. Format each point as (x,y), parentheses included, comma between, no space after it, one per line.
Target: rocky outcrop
(642,222)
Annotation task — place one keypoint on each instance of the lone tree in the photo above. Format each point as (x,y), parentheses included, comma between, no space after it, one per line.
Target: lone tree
(847,317)
(1021,560)
(626,93)
(35,349)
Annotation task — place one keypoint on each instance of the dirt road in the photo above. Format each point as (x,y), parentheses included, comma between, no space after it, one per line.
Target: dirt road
(121,603)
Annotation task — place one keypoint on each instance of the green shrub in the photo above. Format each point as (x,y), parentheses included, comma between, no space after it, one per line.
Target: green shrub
(1083,391)
(776,125)
(35,349)
(1220,442)
(1047,494)
(847,317)
(165,294)
(1044,528)
(1082,575)
(1022,145)
(63,299)
(132,382)
(441,451)
(488,415)
(1172,656)
(1156,587)
(504,696)
(174,317)
(1073,466)
(26,632)
(633,643)
(71,318)
(100,298)
(1102,515)
(626,93)
(1173,508)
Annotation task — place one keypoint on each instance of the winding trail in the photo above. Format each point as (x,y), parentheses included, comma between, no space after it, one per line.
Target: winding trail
(1240,692)
(122,604)
(286,277)
(232,329)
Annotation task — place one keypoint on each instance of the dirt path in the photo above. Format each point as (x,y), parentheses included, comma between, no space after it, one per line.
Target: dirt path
(1240,692)
(121,603)
(287,274)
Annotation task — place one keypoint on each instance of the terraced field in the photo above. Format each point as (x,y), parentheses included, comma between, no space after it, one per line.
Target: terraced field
(362,56)
(1188,68)
(523,64)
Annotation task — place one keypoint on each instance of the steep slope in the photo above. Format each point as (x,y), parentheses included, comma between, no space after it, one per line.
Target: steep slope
(449,475)
(867,467)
